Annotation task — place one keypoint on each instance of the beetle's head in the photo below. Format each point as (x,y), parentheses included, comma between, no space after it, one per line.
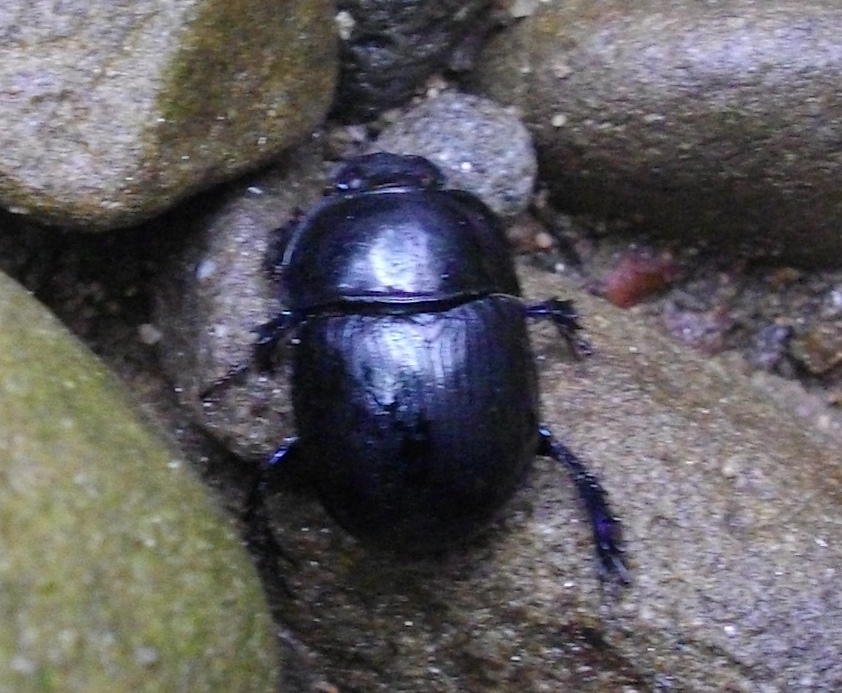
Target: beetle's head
(385,170)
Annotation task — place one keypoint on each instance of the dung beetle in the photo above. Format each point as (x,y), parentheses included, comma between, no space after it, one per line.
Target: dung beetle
(413,383)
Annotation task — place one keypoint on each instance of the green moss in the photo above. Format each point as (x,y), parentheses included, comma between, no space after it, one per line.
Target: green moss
(247,74)
(117,572)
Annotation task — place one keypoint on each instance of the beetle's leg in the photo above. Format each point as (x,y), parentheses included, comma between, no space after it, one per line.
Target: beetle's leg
(268,336)
(566,319)
(278,241)
(259,536)
(607,532)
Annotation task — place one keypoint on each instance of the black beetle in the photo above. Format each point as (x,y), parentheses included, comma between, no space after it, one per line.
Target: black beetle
(414,387)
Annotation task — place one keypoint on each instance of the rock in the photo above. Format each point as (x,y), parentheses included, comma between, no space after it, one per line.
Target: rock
(215,290)
(717,120)
(730,508)
(478,145)
(390,48)
(114,111)
(117,571)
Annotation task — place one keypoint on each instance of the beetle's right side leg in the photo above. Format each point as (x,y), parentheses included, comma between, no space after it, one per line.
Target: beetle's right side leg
(605,526)
(564,316)
(259,536)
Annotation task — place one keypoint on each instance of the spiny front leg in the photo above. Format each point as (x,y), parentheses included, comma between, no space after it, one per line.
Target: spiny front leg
(564,316)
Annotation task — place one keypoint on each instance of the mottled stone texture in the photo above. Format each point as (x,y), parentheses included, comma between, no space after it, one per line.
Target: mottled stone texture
(719,118)
(112,111)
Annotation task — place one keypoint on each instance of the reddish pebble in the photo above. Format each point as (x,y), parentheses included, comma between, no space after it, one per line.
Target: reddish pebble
(637,276)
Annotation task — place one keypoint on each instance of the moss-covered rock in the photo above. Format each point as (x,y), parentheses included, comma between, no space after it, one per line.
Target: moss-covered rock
(117,573)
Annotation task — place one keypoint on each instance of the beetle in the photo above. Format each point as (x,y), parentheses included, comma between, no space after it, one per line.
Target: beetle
(414,387)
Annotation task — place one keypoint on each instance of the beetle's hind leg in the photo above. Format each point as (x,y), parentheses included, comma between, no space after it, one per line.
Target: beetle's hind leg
(564,316)
(259,537)
(606,529)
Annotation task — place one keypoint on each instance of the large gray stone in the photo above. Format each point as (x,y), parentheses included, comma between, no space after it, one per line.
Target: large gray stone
(731,509)
(117,573)
(719,118)
(112,111)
